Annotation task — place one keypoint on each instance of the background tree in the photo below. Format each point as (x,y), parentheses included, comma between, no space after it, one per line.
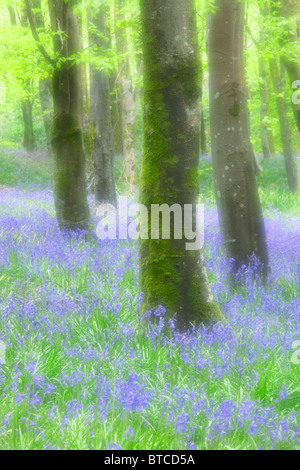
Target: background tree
(70,197)
(238,202)
(277,72)
(279,84)
(101,123)
(35,15)
(128,92)
(290,10)
(265,134)
(27,101)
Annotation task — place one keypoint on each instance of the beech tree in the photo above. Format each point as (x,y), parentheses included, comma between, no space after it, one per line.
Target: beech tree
(170,275)
(101,123)
(279,84)
(263,88)
(27,101)
(270,10)
(239,207)
(70,196)
(34,12)
(290,10)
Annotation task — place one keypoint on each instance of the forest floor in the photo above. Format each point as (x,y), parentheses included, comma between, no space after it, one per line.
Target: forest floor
(78,373)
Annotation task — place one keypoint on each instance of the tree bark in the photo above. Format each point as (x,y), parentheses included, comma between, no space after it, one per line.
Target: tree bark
(27,103)
(291,10)
(70,195)
(170,275)
(279,84)
(203,142)
(239,207)
(12,14)
(267,141)
(44,83)
(263,88)
(46,106)
(101,123)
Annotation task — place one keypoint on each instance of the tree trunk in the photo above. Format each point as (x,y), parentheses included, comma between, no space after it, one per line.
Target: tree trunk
(70,195)
(291,10)
(239,208)
(101,124)
(44,83)
(257,167)
(263,88)
(12,14)
(27,103)
(28,142)
(279,84)
(203,143)
(267,141)
(46,107)
(129,111)
(116,114)
(128,99)
(171,275)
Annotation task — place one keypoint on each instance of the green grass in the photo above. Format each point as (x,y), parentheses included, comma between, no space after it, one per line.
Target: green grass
(24,170)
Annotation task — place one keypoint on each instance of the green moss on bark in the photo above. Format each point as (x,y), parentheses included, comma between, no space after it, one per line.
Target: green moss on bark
(169,274)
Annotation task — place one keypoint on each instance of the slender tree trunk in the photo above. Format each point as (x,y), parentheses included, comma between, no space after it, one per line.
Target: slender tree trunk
(257,166)
(116,114)
(129,98)
(171,275)
(85,106)
(279,84)
(12,14)
(265,133)
(86,126)
(27,103)
(203,143)
(44,83)
(101,124)
(70,196)
(129,107)
(291,10)
(240,213)
(46,107)
(28,141)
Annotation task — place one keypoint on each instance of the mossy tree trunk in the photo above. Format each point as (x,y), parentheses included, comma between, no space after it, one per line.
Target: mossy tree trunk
(239,207)
(101,123)
(70,194)
(170,275)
